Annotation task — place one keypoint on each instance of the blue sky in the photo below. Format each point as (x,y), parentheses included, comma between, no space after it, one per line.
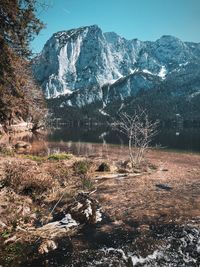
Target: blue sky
(142,19)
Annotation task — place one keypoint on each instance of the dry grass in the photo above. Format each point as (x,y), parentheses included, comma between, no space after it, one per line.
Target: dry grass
(59,172)
(25,178)
(31,192)
(81,167)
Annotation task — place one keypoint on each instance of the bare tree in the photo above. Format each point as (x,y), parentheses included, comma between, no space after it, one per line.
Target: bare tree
(140,132)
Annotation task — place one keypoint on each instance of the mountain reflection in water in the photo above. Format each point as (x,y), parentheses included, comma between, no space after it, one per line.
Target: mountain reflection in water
(176,139)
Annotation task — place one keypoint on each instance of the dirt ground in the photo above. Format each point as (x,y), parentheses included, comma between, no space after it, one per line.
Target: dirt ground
(171,192)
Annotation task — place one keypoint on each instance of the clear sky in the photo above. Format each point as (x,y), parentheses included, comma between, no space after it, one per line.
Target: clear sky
(142,19)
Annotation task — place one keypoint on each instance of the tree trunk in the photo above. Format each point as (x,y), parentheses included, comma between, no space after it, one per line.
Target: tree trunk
(131,152)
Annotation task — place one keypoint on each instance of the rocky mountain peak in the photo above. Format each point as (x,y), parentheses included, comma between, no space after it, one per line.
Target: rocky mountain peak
(79,62)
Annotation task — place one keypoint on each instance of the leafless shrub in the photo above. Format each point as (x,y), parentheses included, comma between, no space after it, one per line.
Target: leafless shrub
(140,132)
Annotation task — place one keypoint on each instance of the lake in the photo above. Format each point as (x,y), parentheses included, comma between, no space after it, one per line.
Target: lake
(185,139)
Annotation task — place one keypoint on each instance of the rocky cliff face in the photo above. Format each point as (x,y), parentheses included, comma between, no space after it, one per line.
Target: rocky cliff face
(87,65)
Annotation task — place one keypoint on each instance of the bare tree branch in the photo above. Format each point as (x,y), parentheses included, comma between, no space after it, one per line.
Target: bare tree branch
(140,132)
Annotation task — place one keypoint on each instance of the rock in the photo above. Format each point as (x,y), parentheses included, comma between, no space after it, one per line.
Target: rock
(67,221)
(23,145)
(19,126)
(164,187)
(104,167)
(46,246)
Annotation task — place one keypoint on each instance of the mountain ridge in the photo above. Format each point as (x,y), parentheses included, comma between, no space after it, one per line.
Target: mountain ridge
(86,65)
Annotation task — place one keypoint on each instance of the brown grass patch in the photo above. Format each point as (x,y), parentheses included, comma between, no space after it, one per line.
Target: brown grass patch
(26,178)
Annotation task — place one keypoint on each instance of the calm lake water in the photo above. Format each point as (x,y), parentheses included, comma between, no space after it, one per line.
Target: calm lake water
(175,139)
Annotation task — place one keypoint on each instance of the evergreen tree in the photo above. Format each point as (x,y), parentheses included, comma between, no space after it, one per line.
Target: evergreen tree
(18,26)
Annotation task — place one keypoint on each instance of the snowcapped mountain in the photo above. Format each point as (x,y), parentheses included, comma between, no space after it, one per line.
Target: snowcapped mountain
(87,65)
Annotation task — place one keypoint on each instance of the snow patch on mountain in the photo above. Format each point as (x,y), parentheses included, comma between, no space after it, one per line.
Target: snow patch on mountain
(103,112)
(147,71)
(87,65)
(163,72)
